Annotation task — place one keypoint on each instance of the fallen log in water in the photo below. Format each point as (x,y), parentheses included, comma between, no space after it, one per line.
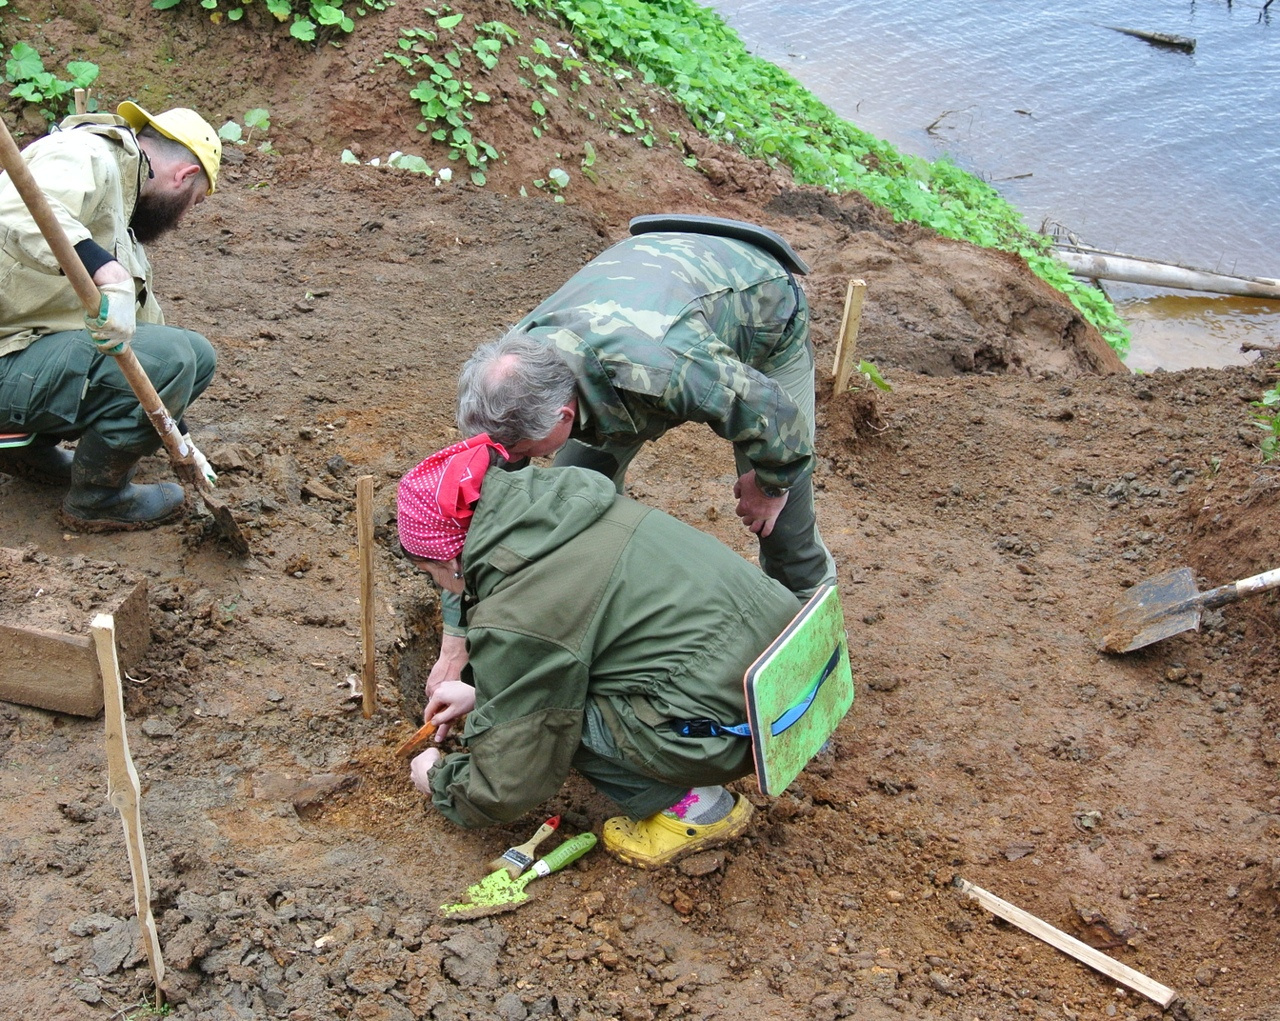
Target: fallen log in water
(1095,265)
(1177,42)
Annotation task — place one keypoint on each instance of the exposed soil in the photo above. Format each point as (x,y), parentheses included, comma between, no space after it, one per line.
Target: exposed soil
(984,514)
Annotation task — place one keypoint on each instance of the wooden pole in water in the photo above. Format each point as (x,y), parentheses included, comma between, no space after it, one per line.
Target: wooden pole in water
(1112,266)
(364,531)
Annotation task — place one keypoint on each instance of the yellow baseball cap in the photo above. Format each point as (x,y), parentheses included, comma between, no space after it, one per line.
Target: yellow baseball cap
(185,126)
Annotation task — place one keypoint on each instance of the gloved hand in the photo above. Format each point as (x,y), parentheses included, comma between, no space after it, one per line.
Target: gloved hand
(201,462)
(114,326)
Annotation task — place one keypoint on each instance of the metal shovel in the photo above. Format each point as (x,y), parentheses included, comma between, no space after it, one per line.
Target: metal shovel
(1168,604)
(180,453)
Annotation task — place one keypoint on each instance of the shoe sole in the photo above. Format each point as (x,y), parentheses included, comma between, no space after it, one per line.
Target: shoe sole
(110,525)
(33,474)
(693,847)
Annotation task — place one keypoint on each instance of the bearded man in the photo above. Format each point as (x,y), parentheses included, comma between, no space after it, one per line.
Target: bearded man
(114,182)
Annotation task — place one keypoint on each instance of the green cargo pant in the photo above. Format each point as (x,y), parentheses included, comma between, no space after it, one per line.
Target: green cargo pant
(62,385)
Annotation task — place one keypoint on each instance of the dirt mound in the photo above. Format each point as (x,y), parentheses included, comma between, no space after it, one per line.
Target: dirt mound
(984,515)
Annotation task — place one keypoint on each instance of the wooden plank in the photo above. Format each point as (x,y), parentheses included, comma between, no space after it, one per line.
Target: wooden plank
(1094,958)
(58,669)
(847,343)
(50,670)
(364,532)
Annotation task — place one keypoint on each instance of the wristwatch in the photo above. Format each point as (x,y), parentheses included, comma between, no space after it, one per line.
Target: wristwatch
(772,492)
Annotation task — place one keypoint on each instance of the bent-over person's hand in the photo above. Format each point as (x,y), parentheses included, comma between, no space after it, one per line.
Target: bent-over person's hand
(421,767)
(452,700)
(757,511)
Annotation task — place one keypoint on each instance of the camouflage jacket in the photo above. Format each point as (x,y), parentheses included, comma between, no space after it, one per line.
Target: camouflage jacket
(668,328)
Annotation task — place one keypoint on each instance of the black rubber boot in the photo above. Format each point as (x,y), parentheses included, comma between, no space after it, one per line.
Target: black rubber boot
(41,460)
(102,499)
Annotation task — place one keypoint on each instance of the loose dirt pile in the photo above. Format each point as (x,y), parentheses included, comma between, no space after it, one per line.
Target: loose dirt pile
(984,515)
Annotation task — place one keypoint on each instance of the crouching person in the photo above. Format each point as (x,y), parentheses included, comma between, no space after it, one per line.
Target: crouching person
(595,626)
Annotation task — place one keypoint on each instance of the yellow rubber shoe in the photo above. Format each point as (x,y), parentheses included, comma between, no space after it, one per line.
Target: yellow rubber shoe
(660,838)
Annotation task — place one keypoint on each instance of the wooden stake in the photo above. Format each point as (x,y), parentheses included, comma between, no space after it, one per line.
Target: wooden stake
(847,344)
(1094,958)
(123,791)
(364,529)
(82,100)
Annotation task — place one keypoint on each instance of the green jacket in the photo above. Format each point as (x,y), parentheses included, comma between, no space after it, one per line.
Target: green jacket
(91,170)
(587,609)
(669,328)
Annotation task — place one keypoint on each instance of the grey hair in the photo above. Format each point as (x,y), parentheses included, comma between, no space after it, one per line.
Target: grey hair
(513,389)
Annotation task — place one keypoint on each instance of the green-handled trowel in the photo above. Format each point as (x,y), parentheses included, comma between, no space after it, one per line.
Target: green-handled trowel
(498,892)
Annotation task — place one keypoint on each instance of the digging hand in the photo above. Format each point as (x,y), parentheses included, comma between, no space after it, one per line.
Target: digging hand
(451,701)
(201,462)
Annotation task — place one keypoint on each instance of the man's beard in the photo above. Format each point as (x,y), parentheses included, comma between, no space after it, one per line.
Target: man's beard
(156,214)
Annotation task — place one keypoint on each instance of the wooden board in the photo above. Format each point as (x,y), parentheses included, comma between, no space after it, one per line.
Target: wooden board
(798,691)
(57,670)
(847,342)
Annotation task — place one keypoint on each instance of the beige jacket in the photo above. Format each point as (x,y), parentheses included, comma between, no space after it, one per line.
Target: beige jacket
(91,170)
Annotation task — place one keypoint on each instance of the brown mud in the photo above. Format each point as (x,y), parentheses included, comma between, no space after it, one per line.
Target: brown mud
(984,514)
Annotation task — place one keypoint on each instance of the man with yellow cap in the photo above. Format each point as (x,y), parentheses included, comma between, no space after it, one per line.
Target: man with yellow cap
(114,182)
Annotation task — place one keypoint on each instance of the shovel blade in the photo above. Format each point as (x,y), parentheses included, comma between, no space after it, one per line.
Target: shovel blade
(1151,610)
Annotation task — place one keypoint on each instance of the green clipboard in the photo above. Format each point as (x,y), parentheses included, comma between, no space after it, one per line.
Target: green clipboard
(798,691)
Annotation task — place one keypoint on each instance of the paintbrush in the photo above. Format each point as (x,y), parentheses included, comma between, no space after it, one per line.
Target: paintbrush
(520,857)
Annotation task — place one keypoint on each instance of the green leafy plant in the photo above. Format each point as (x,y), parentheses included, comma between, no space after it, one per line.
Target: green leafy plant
(871,374)
(42,88)
(1268,420)
(308,19)
(445,97)
(144,1011)
(256,119)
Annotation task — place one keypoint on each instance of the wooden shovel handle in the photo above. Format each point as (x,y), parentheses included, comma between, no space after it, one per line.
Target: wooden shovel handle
(91,298)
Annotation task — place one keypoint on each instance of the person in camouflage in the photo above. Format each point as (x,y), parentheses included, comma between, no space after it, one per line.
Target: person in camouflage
(666,328)
(660,329)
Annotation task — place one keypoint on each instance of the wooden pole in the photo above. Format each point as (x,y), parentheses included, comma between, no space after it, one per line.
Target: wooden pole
(1094,958)
(123,791)
(847,344)
(364,530)
(1112,266)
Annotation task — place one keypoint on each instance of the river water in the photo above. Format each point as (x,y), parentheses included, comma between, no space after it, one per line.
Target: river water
(1130,147)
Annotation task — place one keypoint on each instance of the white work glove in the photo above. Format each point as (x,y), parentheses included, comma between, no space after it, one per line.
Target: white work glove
(422,765)
(117,318)
(201,462)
